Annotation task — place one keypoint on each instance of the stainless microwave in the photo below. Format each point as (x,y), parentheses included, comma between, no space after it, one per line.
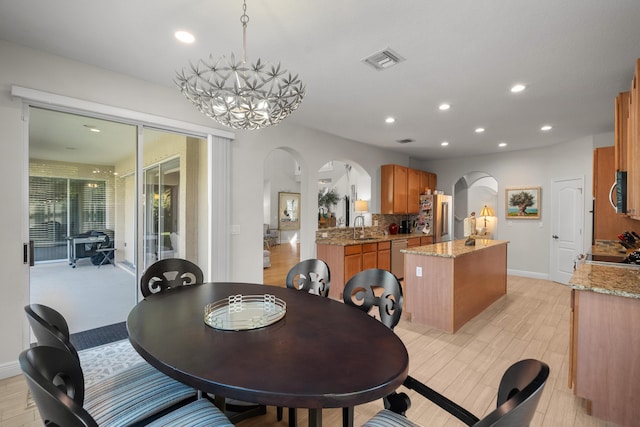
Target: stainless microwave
(620,187)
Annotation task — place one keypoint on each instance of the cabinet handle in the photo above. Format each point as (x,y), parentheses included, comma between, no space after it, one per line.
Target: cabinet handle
(554,236)
(613,205)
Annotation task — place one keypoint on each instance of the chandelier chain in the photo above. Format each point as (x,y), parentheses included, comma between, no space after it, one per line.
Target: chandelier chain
(244,19)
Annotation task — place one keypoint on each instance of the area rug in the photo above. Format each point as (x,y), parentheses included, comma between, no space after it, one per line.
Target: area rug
(105,360)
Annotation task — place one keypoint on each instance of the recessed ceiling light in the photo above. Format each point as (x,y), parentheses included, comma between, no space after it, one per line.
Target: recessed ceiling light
(389,120)
(518,88)
(546,128)
(502,144)
(479,130)
(92,128)
(444,143)
(184,37)
(444,107)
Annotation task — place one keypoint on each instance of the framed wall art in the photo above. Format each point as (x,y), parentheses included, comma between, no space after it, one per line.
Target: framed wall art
(289,211)
(522,203)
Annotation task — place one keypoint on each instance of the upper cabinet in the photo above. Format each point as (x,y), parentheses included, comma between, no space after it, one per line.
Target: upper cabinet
(606,224)
(401,187)
(627,142)
(393,197)
(632,149)
(621,131)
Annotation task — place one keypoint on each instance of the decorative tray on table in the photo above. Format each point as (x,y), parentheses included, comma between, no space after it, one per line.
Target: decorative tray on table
(242,312)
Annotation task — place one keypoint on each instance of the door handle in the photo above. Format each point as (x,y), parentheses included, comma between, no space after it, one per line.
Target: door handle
(554,236)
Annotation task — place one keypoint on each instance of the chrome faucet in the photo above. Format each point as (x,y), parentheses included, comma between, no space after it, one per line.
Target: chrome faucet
(355,226)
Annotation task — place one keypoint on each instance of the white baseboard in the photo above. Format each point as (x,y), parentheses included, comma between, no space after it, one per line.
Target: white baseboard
(529,274)
(10,369)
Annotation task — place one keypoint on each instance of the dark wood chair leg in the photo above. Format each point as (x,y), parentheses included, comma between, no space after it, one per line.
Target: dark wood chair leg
(279,413)
(293,417)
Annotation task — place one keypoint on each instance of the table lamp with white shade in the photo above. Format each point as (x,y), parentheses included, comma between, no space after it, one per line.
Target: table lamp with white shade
(484,213)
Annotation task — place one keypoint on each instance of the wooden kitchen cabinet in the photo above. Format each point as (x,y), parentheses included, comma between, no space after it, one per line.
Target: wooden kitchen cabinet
(633,147)
(393,186)
(345,261)
(413,242)
(369,256)
(621,128)
(428,180)
(413,190)
(606,223)
(384,255)
(352,263)
(400,189)
(603,349)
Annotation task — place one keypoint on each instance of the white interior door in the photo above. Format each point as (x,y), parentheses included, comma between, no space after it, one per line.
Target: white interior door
(567,211)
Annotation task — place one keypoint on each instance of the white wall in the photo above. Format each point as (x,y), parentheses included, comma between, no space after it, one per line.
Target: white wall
(529,247)
(311,149)
(528,251)
(38,70)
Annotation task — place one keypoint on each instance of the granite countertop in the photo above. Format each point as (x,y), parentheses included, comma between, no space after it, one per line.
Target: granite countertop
(614,279)
(608,248)
(341,241)
(454,248)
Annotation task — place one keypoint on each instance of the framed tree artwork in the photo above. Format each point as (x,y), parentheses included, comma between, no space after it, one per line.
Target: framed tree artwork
(522,203)
(289,211)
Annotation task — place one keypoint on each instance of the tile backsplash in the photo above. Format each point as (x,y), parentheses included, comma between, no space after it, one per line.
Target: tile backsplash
(383,222)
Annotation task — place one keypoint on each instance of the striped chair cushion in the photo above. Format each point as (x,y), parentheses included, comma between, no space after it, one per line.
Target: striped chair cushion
(386,418)
(132,395)
(200,413)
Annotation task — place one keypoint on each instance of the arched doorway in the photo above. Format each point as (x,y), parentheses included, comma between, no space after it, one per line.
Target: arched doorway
(472,192)
(340,184)
(281,243)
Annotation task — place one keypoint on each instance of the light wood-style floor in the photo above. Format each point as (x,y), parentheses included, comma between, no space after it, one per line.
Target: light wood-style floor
(531,321)
(283,257)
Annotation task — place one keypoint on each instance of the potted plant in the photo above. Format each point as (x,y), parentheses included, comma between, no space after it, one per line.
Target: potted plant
(327,200)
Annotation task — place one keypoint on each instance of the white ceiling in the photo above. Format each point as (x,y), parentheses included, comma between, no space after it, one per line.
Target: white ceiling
(573,55)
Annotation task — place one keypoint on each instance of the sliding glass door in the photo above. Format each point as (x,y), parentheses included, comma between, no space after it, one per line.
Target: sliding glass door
(99,188)
(161,212)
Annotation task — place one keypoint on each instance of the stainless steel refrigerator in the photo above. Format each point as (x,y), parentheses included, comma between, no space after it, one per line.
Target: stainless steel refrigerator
(436,217)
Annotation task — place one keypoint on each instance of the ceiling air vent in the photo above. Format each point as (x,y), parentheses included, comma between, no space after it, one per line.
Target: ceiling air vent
(383,59)
(404,141)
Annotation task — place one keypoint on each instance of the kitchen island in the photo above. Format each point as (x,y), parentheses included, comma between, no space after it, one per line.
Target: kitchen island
(347,256)
(605,340)
(449,283)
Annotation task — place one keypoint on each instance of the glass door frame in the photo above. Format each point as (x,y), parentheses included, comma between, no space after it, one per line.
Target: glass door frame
(218,143)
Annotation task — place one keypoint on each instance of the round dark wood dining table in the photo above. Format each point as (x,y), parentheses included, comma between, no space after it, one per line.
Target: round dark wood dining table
(321,354)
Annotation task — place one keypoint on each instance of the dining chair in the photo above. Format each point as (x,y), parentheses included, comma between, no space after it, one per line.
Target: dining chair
(376,288)
(169,273)
(56,383)
(310,275)
(313,276)
(155,391)
(378,291)
(518,396)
